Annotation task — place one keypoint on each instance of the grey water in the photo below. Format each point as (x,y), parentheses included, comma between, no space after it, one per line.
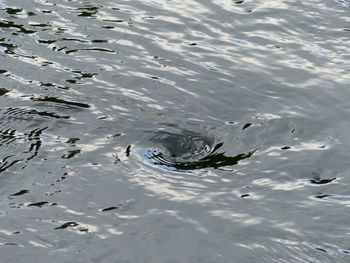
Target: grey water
(174,131)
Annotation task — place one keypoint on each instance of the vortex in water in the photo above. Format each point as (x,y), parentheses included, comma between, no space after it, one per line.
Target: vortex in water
(188,151)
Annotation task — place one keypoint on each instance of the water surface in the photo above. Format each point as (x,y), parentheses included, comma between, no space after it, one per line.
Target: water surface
(174,131)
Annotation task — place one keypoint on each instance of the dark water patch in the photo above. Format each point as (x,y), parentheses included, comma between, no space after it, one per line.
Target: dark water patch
(61,178)
(320,248)
(46,11)
(322,181)
(23,112)
(53,193)
(338,199)
(10,24)
(213,160)
(16,12)
(59,48)
(40,25)
(116,159)
(108,27)
(99,41)
(83,229)
(246,126)
(84,75)
(43,84)
(3,91)
(46,41)
(71,154)
(114,20)
(15,206)
(38,204)
(127,151)
(21,192)
(72,140)
(285,148)
(231,122)
(47,84)
(34,137)
(19,141)
(5,164)
(29,13)
(68,225)
(13,11)
(109,208)
(114,136)
(72,81)
(50,115)
(89,49)
(123,204)
(60,101)
(321,177)
(322,196)
(90,11)
(78,40)
(188,151)
(8,48)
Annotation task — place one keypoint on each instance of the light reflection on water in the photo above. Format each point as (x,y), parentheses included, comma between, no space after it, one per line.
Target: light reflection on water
(172,131)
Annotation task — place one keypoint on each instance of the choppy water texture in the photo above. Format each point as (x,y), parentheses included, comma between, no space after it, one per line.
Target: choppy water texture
(174,131)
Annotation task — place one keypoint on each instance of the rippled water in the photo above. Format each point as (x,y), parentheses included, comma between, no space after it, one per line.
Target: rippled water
(174,131)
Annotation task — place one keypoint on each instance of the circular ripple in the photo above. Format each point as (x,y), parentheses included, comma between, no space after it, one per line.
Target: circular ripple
(187,151)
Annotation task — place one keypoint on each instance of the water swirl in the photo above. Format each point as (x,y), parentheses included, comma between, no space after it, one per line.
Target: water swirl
(188,151)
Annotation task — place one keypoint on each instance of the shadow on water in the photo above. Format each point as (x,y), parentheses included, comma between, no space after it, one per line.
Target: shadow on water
(19,141)
(189,151)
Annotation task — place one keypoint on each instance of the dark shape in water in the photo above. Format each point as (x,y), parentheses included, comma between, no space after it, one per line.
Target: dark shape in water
(322,181)
(67,224)
(321,196)
(90,49)
(72,140)
(71,154)
(245,126)
(88,11)
(109,208)
(10,244)
(83,229)
(9,24)
(127,151)
(38,204)
(22,192)
(9,48)
(13,11)
(61,101)
(285,148)
(51,115)
(188,151)
(3,91)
